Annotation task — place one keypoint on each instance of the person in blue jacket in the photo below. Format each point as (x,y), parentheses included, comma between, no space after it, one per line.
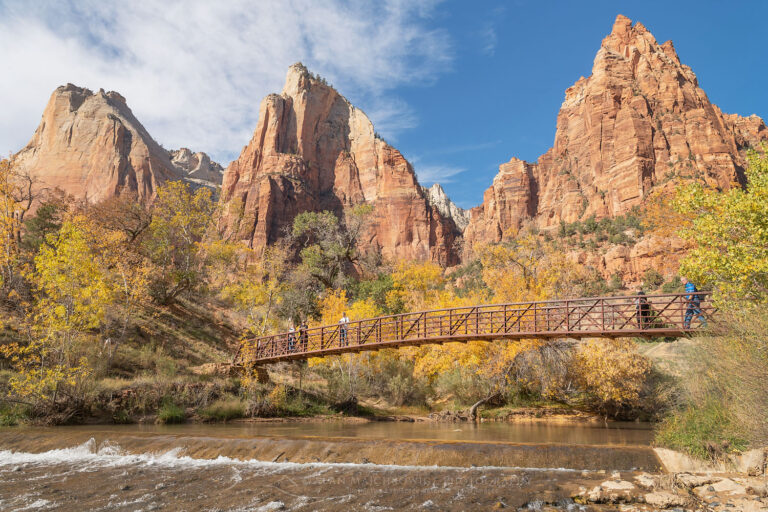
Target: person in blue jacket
(693,304)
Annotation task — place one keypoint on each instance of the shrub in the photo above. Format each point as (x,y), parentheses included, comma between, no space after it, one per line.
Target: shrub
(726,406)
(169,413)
(224,409)
(466,386)
(652,279)
(704,431)
(673,285)
(11,415)
(613,373)
(616,283)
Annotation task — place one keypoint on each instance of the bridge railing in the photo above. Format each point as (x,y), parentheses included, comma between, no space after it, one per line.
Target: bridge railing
(644,315)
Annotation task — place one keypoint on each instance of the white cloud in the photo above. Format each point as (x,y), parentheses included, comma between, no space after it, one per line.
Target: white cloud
(195,71)
(489,40)
(429,174)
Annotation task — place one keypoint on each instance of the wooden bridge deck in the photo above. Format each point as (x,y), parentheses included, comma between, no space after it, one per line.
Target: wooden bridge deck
(595,317)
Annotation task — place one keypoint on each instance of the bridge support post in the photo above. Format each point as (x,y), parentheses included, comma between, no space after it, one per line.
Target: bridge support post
(262,376)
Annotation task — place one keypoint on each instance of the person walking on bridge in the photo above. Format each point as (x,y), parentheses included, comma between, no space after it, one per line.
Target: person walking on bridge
(343,325)
(693,304)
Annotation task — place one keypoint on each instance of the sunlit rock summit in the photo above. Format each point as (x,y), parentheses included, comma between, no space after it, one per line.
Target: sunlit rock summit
(640,121)
(92,147)
(312,150)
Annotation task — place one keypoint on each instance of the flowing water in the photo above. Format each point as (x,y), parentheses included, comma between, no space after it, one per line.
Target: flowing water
(313,465)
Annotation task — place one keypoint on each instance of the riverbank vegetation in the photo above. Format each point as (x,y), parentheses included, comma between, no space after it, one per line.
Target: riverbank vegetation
(724,405)
(123,312)
(120,311)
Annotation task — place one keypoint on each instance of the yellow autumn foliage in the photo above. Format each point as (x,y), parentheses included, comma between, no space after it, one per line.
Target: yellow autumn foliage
(612,370)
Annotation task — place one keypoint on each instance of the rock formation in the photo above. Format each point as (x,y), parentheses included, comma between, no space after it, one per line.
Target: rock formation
(440,200)
(92,147)
(640,121)
(312,150)
(197,167)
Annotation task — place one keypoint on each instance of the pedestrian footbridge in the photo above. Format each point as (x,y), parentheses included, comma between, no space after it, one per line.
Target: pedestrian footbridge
(646,316)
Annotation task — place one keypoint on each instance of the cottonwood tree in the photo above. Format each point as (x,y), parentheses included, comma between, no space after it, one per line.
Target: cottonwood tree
(730,233)
(258,289)
(16,198)
(329,246)
(180,221)
(73,290)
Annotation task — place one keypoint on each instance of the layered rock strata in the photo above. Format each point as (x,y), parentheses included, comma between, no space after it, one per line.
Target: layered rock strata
(90,146)
(311,151)
(639,122)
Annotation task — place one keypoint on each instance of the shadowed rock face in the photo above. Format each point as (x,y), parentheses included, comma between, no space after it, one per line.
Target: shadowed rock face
(639,121)
(92,147)
(312,150)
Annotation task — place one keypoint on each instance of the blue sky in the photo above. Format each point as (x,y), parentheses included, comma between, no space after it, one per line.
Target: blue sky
(459,87)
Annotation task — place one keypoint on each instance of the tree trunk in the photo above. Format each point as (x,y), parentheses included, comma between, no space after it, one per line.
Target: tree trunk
(473,409)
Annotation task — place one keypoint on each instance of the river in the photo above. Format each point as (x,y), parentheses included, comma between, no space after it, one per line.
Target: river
(313,465)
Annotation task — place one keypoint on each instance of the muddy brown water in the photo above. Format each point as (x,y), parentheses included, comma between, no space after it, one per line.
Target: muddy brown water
(313,466)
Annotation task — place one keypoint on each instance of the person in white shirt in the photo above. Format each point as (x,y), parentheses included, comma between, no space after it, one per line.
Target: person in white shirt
(291,338)
(343,329)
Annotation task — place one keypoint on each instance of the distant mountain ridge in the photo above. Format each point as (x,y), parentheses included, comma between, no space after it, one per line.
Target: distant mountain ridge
(640,122)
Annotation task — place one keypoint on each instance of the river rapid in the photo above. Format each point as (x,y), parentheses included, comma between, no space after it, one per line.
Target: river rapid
(314,466)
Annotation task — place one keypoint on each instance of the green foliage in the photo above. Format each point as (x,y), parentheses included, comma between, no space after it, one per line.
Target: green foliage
(615,283)
(674,285)
(44,224)
(468,278)
(180,219)
(704,431)
(466,387)
(730,233)
(170,413)
(376,289)
(652,279)
(224,409)
(12,414)
(328,247)
(725,405)
(282,400)
(612,229)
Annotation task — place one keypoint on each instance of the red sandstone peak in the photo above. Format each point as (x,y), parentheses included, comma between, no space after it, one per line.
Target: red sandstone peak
(312,150)
(639,121)
(92,147)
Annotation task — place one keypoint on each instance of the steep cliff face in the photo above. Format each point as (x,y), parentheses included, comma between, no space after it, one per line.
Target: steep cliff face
(312,150)
(92,147)
(639,121)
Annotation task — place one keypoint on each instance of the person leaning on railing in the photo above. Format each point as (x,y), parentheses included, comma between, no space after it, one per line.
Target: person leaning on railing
(643,309)
(291,338)
(303,336)
(693,304)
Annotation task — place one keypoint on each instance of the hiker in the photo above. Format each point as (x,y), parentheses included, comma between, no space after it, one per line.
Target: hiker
(643,310)
(693,304)
(343,329)
(303,335)
(291,338)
